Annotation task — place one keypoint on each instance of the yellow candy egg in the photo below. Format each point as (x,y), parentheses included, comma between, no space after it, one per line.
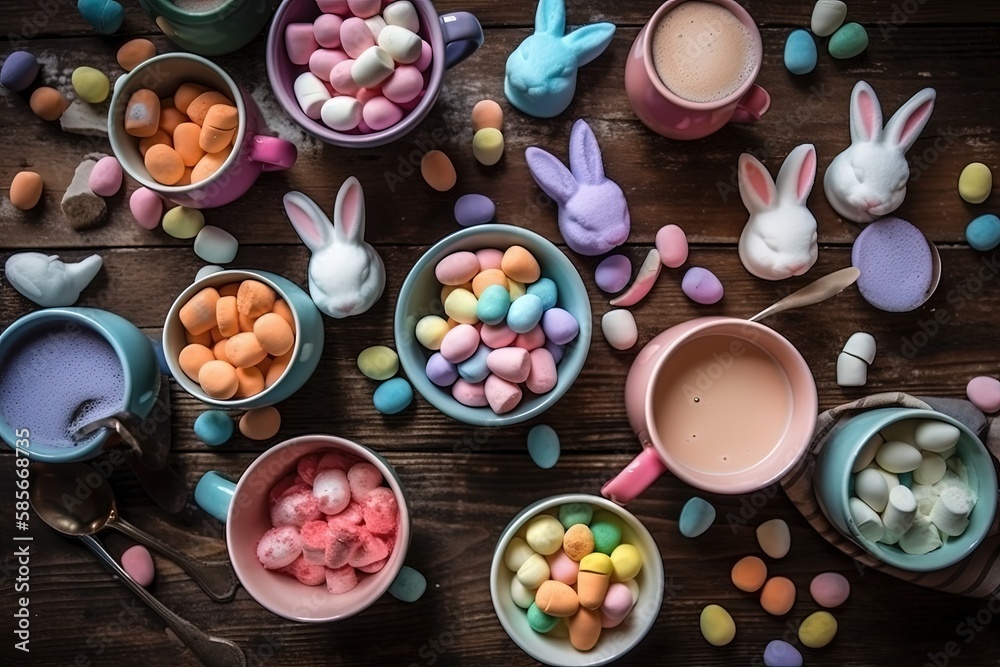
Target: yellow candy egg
(430,331)
(626,561)
(461,306)
(975,183)
(487,146)
(91,84)
(378,362)
(717,626)
(818,629)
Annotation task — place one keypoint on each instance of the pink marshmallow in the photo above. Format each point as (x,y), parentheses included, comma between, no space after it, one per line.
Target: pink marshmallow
(332,491)
(563,568)
(306,467)
(353,514)
(503,396)
(380,114)
(295,508)
(426,54)
(489,258)
(315,536)
(341,580)
(543,375)
(344,539)
(341,79)
(380,510)
(616,606)
(510,363)
(467,393)
(371,550)
(403,84)
(412,104)
(283,484)
(363,477)
(372,568)
(365,8)
(322,61)
(532,340)
(460,343)
(364,95)
(334,7)
(338,460)
(355,37)
(326,30)
(497,335)
(137,561)
(300,42)
(307,573)
(279,547)
(363,127)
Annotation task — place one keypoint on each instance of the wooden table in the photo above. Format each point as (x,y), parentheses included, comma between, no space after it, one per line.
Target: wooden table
(464,487)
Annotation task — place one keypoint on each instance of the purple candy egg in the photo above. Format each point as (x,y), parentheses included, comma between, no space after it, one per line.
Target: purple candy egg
(613,273)
(701,286)
(896,264)
(559,326)
(474,210)
(557,351)
(19,70)
(440,371)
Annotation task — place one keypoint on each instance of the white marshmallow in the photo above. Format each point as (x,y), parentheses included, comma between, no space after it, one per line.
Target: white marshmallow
(948,453)
(522,596)
(869,523)
(403,45)
(372,67)
(951,511)
(851,371)
(311,94)
(900,511)
(889,538)
(867,453)
(957,466)
(375,24)
(891,479)
(921,538)
(935,436)
(341,113)
(895,456)
(403,14)
(930,470)
(901,430)
(926,496)
(862,346)
(872,488)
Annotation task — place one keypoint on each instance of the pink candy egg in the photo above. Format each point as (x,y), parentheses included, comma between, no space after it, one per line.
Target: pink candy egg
(672,245)
(138,563)
(510,363)
(489,258)
(341,79)
(380,114)
(355,36)
(322,62)
(616,606)
(380,511)
(460,343)
(404,84)
(984,393)
(457,268)
(503,396)
(543,375)
(326,30)
(469,394)
(106,177)
(300,42)
(341,580)
(830,589)
(146,207)
(497,335)
(295,508)
(365,95)
(532,340)
(563,568)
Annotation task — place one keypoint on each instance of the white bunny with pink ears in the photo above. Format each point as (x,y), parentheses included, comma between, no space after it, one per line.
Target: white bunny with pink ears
(346,274)
(779,239)
(868,180)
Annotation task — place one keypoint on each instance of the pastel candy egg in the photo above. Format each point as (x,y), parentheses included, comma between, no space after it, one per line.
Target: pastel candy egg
(830,589)
(48,103)
(937,436)
(626,561)
(142,113)
(430,331)
(539,621)
(26,190)
(616,605)
(438,171)
(717,626)
(573,513)
(697,516)
(322,61)
(493,305)
(402,45)
(355,36)
(534,571)
(849,41)
(487,113)
(975,183)
(510,363)
(474,369)
(219,127)
(457,268)
(895,456)
(105,16)
(543,446)
(134,52)
(164,164)
(983,233)
(557,599)
(523,597)
(774,538)
(532,340)
(497,335)
(872,488)
(392,396)
(557,351)
(778,596)
(543,375)
(562,567)
(520,265)
(403,14)
(460,343)
(461,306)
(403,85)
(559,326)
(800,52)
(341,80)
(214,427)
(818,629)
(19,70)
(138,563)
(192,357)
(984,393)
(488,146)
(91,85)
(106,177)
(474,209)
(607,529)
(274,334)
(440,371)
(471,394)
(489,258)
(489,277)
(701,286)
(199,107)
(749,574)
(779,653)
(613,273)
(426,55)
(218,379)
(502,396)
(378,362)
(546,290)
(619,329)
(524,313)
(827,16)
(517,290)
(215,245)
(585,629)
(182,222)
(516,553)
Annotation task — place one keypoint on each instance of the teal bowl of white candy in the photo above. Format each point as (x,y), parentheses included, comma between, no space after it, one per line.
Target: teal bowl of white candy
(914,488)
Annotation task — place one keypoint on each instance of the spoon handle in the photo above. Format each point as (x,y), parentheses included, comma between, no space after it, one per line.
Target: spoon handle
(212,651)
(820,289)
(216,577)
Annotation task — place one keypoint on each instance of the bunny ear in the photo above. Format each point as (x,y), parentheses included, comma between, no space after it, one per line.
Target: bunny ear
(550,17)
(866,114)
(585,155)
(588,42)
(756,186)
(797,174)
(551,175)
(906,124)
(309,221)
(349,212)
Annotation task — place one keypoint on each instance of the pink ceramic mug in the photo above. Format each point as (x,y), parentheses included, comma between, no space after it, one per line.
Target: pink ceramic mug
(252,152)
(668,114)
(727,405)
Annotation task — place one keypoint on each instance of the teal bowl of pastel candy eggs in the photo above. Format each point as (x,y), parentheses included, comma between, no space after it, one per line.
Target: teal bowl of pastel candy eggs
(493,325)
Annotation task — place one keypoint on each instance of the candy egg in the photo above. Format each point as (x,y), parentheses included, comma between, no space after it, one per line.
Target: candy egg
(90,84)
(818,629)
(626,562)
(378,362)
(192,357)
(557,599)
(460,343)
(260,423)
(520,265)
(164,164)
(401,44)
(701,286)
(326,30)
(182,222)
(134,52)
(142,113)
(342,113)
(158,137)
(830,589)
(487,113)
(219,127)
(106,177)
(983,233)
(364,8)
(897,457)
(800,52)
(474,369)
(534,339)
(607,529)
(355,36)
(430,331)
(217,246)
(138,563)
(244,350)
(619,329)
(585,629)
(697,516)
(827,16)
(867,453)
(778,596)
(779,653)
(749,574)
(461,306)
(273,334)
(539,621)
(672,246)
(543,446)
(975,183)
(187,93)
(984,393)
(218,379)
(559,326)
(930,470)
(502,396)
(457,268)
(849,41)
(474,209)
(524,313)
(546,290)
(493,305)
(393,396)
(254,298)
(573,513)
(868,522)
(522,597)
(717,626)
(774,538)
(213,427)
(613,273)
(510,363)
(471,394)
(489,277)
(403,14)
(146,207)
(498,335)
(543,375)
(438,171)
(488,146)
(19,70)
(48,103)
(616,606)
(516,553)
(25,190)
(440,371)
(872,488)
(593,579)
(300,42)
(534,571)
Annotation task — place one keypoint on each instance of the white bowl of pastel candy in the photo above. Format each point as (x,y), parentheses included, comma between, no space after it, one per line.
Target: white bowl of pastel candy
(576,580)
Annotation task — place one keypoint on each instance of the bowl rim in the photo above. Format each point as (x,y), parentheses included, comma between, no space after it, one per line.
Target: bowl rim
(484,416)
(654,570)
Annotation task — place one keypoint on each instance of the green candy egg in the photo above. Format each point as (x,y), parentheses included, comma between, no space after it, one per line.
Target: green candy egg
(573,513)
(539,621)
(182,222)
(850,40)
(607,530)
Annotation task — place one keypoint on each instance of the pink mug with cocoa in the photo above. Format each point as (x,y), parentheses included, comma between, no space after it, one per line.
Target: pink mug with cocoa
(692,68)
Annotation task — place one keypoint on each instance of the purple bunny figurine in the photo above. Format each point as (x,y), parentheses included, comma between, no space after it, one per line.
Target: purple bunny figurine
(593,213)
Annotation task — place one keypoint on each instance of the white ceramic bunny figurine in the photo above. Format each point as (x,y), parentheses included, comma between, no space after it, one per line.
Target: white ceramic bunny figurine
(346,275)
(593,213)
(779,239)
(868,180)
(47,280)
(541,72)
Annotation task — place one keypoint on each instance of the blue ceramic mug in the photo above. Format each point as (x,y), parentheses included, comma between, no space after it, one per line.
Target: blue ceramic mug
(833,483)
(305,353)
(57,332)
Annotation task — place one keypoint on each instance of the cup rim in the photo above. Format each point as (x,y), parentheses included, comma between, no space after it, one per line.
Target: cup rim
(808,404)
(173,321)
(176,14)
(647,51)
(275,49)
(118,100)
(326,441)
(654,569)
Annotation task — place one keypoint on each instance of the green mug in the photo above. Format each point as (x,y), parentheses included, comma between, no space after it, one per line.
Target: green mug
(210,27)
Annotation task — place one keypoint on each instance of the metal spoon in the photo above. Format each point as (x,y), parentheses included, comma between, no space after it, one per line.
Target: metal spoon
(816,291)
(55,495)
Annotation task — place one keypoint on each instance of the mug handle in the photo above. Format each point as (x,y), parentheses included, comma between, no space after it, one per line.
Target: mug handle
(463,35)
(636,477)
(273,153)
(752,105)
(214,494)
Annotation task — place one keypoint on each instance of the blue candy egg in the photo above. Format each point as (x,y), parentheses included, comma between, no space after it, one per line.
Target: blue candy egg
(545,289)
(525,312)
(696,517)
(474,369)
(393,396)
(19,70)
(106,16)
(213,427)
(781,654)
(983,233)
(408,585)
(493,304)
(800,52)
(543,446)
(474,210)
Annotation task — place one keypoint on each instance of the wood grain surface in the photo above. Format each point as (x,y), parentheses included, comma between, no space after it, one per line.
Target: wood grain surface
(464,484)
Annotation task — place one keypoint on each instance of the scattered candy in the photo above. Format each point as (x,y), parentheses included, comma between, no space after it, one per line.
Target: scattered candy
(146,207)
(80,206)
(779,653)
(91,85)
(717,626)
(697,516)
(438,171)
(818,629)
(105,16)
(749,574)
(215,245)
(378,362)
(474,209)
(975,183)
(393,396)
(827,16)
(260,423)
(672,246)
(138,564)
(486,113)
(619,329)
(487,146)
(182,222)
(214,427)
(800,52)
(19,71)
(613,273)
(850,40)
(106,178)
(409,585)
(984,393)
(134,52)
(778,596)
(48,103)
(25,190)
(830,589)
(983,233)
(774,538)
(543,446)
(701,286)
